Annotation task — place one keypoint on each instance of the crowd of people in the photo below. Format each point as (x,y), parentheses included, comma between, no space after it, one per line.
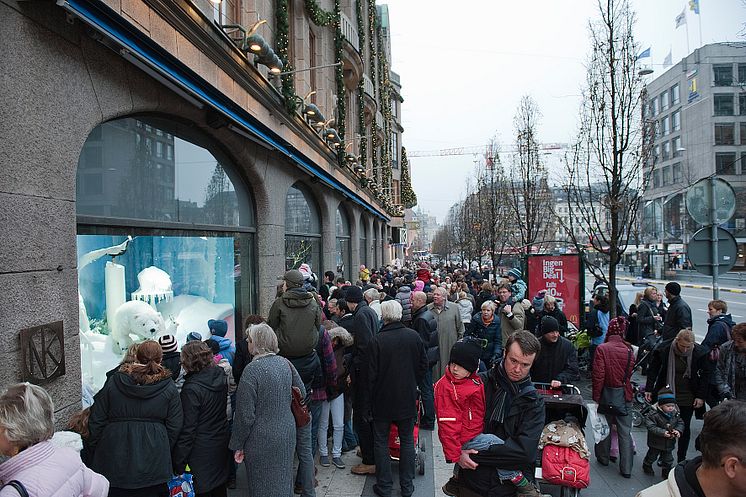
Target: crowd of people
(360,356)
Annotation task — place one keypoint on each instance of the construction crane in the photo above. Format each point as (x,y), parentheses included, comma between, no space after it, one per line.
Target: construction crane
(479,150)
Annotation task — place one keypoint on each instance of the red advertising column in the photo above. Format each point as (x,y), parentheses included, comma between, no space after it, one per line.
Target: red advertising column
(560,276)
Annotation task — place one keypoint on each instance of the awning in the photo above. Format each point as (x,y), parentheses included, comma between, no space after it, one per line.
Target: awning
(138,48)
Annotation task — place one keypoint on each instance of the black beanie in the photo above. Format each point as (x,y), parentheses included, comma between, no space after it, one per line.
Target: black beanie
(466,354)
(548,325)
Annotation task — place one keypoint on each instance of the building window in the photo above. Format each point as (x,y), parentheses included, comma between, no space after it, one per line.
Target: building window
(656,153)
(657,178)
(344,250)
(363,241)
(302,229)
(676,147)
(742,103)
(675,98)
(725,163)
(742,73)
(676,121)
(653,106)
(678,173)
(743,162)
(395,150)
(667,179)
(396,191)
(664,101)
(742,130)
(666,126)
(666,150)
(724,134)
(723,104)
(723,74)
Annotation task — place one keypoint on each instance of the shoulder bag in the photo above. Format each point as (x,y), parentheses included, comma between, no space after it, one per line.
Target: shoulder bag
(612,400)
(298,404)
(18,486)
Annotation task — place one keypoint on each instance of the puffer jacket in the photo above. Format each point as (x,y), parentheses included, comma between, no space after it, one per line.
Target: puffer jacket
(465,308)
(718,331)
(609,364)
(49,471)
(459,405)
(227,349)
(404,297)
(295,316)
(425,324)
(494,349)
(658,423)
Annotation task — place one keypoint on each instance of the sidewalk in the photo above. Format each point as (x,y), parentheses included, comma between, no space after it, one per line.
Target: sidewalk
(683,284)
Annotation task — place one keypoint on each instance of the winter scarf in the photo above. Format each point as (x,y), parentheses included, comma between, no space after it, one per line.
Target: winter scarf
(671,372)
(505,393)
(487,323)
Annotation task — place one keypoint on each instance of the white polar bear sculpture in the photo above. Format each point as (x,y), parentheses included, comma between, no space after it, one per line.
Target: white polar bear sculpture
(137,318)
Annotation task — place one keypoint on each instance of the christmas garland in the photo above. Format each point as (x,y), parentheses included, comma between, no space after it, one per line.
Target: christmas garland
(282,41)
(361,87)
(341,90)
(372,60)
(319,16)
(408,197)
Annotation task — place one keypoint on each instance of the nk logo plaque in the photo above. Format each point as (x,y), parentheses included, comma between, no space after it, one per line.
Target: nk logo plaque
(42,353)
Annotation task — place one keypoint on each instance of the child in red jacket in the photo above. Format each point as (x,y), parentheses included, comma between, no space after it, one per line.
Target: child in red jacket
(460,406)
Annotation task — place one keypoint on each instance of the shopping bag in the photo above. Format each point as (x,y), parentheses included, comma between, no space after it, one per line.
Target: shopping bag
(181,486)
(598,422)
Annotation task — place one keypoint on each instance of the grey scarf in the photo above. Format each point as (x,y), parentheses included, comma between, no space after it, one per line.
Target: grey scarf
(671,372)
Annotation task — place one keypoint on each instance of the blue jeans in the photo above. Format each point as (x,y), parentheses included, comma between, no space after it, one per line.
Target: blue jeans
(428,401)
(315,409)
(384,479)
(305,476)
(483,442)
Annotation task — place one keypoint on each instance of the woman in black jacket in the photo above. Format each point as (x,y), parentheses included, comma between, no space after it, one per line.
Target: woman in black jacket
(135,421)
(649,325)
(203,442)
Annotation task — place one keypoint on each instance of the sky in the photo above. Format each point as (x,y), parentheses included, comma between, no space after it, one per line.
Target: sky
(465,65)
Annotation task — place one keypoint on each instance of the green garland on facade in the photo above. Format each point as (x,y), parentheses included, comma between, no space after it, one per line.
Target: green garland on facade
(339,77)
(372,62)
(384,88)
(282,41)
(361,87)
(319,16)
(408,197)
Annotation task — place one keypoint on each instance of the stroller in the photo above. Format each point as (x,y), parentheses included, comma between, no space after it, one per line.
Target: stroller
(419,447)
(560,465)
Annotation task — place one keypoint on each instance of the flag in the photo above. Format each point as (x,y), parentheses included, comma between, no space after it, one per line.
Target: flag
(694,6)
(644,53)
(681,18)
(667,61)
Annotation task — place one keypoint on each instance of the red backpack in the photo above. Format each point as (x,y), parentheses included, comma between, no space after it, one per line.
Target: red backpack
(565,467)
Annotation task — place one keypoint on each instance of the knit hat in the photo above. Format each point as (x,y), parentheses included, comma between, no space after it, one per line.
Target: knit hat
(617,326)
(666,396)
(538,301)
(515,273)
(548,325)
(466,353)
(191,337)
(673,288)
(218,327)
(168,343)
(354,294)
(294,278)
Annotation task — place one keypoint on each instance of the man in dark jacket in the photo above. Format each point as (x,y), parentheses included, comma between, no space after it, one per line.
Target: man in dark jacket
(557,362)
(679,315)
(397,365)
(719,326)
(425,324)
(362,326)
(515,413)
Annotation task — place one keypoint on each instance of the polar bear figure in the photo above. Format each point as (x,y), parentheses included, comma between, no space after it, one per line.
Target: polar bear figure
(137,318)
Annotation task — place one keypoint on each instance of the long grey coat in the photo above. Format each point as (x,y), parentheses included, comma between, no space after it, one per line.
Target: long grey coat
(450,329)
(264,427)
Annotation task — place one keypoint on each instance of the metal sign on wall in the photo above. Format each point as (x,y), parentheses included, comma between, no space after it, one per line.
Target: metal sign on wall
(560,276)
(42,353)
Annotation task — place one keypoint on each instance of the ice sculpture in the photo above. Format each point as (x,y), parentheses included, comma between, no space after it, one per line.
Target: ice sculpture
(155,286)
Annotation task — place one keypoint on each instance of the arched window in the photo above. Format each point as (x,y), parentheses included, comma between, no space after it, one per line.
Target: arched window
(302,230)
(376,248)
(363,241)
(191,223)
(344,251)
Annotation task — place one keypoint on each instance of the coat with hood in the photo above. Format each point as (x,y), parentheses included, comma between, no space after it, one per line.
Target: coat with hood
(340,339)
(718,331)
(465,309)
(203,441)
(646,322)
(133,429)
(404,297)
(227,349)
(702,371)
(459,404)
(295,316)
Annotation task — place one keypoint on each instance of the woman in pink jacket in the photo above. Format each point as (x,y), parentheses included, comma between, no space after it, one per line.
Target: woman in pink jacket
(35,465)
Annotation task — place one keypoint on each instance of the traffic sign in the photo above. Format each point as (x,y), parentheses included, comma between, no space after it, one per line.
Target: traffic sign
(700,251)
(699,201)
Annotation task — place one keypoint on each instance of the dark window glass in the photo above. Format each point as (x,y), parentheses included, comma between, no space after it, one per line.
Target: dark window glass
(725,163)
(678,174)
(723,104)
(676,146)
(343,226)
(667,180)
(656,178)
(724,134)
(666,151)
(191,186)
(742,73)
(675,98)
(742,103)
(676,121)
(300,214)
(742,130)
(723,75)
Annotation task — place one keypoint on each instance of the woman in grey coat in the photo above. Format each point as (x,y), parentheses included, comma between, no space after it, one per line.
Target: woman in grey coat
(263,425)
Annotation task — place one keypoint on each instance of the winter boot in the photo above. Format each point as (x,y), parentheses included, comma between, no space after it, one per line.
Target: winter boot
(530,490)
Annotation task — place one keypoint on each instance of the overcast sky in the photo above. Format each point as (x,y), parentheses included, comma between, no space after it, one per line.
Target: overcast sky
(465,65)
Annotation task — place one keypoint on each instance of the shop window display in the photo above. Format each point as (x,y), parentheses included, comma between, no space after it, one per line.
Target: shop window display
(344,250)
(302,230)
(162,256)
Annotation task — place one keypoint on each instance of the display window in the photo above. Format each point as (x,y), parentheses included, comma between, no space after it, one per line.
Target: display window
(302,230)
(165,241)
(363,241)
(344,250)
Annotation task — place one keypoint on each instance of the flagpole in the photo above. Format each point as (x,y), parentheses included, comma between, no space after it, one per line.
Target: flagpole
(699,19)
(687,34)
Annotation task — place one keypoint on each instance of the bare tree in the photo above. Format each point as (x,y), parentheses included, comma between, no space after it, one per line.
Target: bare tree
(605,167)
(529,197)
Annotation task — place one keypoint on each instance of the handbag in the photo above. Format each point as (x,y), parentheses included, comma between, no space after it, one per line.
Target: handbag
(298,405)
(612,400)
(18,486)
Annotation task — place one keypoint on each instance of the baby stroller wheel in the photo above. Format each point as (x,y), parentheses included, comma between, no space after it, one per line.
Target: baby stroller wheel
(569,492)
(636,418)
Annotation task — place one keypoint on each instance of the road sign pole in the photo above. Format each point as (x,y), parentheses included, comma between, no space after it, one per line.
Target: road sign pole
(714,240)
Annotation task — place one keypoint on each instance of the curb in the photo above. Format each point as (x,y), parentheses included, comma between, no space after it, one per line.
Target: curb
(686,285)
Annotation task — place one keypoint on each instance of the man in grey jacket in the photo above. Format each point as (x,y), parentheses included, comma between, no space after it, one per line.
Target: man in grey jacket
(450,328)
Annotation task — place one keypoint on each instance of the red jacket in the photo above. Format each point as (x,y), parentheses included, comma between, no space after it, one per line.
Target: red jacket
(459,405)
(423,274)
(608,366)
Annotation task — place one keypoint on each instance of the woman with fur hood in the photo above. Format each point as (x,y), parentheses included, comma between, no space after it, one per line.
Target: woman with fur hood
(335,402)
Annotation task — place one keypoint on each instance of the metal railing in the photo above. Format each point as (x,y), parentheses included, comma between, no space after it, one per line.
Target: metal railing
(349,32)
(368,87)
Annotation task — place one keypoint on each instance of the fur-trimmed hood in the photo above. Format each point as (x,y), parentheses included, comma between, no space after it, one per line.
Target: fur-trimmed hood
(342,335)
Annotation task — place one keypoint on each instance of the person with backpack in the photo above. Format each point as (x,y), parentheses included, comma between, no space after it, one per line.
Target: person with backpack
(719,326)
